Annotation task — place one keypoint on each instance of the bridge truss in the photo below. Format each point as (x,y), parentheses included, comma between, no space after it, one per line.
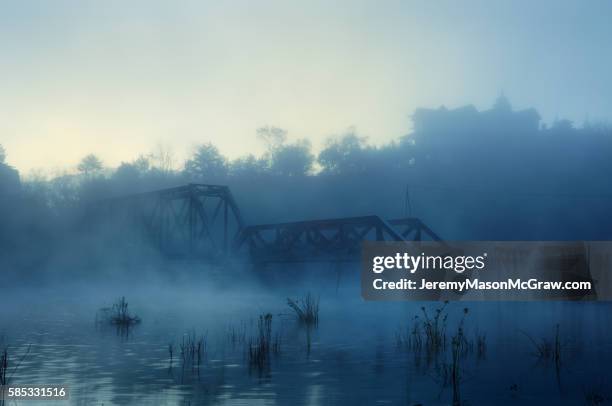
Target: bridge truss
(325,240)
(195,220)
(203,221)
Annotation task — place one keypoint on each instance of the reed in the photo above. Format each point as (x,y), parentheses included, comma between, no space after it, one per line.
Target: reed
(596,395)
(449,373)
(435,328)
(459,347)
(193,348)
(118,315)
(263,344)
(481,345)
(547,349)
(171,351)
(306,309)
(557,349)
(4,366)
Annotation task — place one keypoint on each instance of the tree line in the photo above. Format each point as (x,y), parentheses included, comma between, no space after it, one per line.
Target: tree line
(462,167)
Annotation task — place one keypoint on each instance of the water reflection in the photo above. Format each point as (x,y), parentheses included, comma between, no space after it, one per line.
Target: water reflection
(354,355)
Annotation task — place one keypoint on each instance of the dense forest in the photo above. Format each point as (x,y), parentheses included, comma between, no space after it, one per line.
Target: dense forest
(497,174)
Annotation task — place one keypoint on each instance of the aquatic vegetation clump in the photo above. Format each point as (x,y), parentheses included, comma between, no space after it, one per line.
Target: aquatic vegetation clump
(4,365)
(435,328)
(481,345)
(118,314)
(596,395)
(262,345)
(192,347)
(306,309)
(547,349)
(459,346)
(451,373)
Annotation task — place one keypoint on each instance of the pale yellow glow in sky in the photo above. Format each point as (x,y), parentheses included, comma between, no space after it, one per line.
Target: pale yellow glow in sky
(116,78)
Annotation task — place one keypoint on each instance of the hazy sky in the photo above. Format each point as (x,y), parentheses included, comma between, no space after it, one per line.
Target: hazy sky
(118,77)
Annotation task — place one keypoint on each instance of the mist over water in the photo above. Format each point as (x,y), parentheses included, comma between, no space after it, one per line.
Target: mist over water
(185,188)
(219,330)
(351,356)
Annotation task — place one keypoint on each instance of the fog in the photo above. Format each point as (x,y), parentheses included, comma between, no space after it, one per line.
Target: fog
(495,174)
(184,189)
(116,79)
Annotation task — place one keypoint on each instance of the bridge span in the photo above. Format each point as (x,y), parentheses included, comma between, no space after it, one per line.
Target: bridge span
(337,239)
(204,222)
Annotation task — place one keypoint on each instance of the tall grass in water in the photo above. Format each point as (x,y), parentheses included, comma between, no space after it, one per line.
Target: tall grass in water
(306,309)
(193,348)
(459,346)
(597,394)
(118,314)
(262,345)
(427,332)
(4,365)
(451,373)
(547,349)
(3,374)
(435,328)
(411,338)
(481,345)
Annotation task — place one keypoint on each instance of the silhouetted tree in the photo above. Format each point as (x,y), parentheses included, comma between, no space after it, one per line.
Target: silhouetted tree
(344,155)
(63,192)
(90,164)
(285,159)
(126,173)
(142,164)
(206,162)
(248,167)
(2,154)
(36,188)
(292,159)
(9,180)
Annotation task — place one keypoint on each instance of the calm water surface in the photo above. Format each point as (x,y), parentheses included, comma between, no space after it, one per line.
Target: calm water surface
(351,357)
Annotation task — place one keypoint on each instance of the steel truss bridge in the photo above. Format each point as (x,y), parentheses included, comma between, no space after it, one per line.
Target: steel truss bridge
(336,239)
(199,221)
(204,221)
